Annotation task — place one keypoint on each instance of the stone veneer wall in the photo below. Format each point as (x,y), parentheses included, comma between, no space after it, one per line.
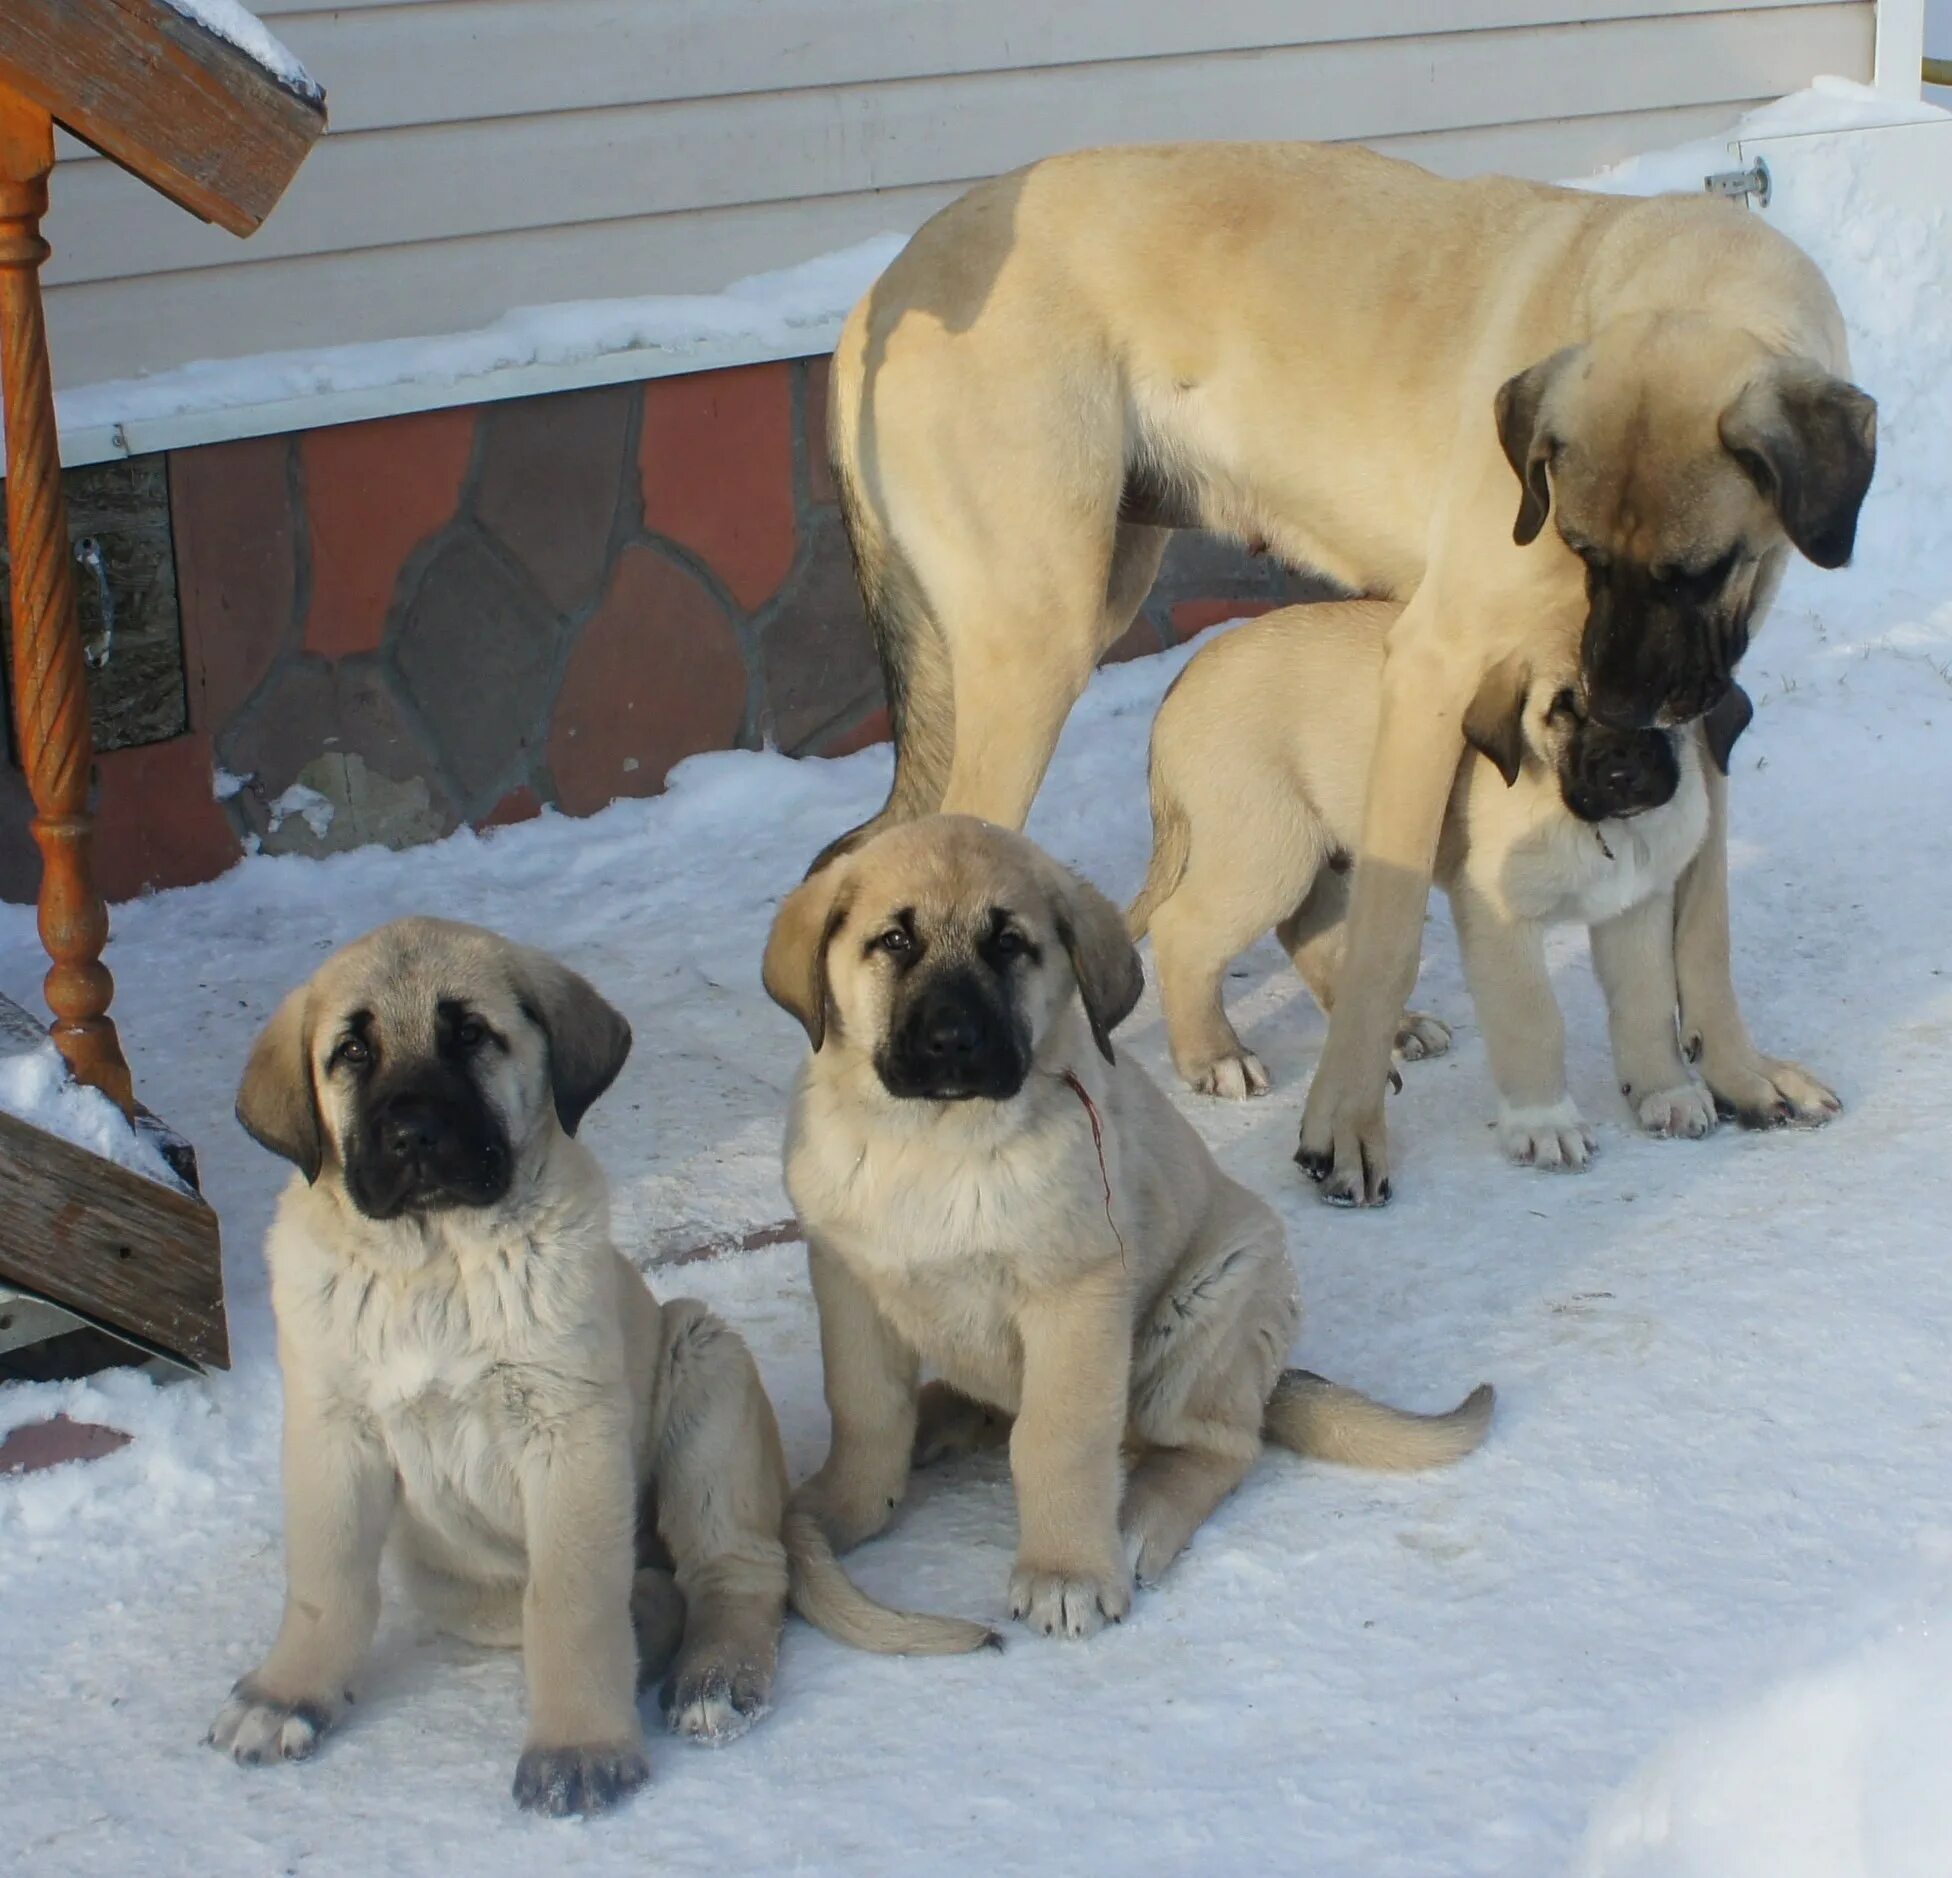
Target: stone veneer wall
(464,615)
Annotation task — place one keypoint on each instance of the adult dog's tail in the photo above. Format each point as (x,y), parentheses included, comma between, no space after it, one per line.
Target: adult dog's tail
(1314,1416)
(1172,842)
(914,657)
(822,1593)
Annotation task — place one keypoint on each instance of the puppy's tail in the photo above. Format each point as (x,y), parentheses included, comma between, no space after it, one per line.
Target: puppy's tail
(833,1603)
(1172,842)
(1314,1416)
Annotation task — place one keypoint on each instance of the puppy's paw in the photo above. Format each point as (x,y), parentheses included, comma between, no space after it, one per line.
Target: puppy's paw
(1234,1078)
(1685,1112)
(1421,1035)
(1554,1137)
(949,1424)
(1766,1093)
(1070,1604)
(715,1696)
(566,1783)
(254,1728)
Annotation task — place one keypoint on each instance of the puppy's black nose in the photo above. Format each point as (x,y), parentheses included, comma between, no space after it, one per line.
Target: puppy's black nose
(411,1130)
(951,1034)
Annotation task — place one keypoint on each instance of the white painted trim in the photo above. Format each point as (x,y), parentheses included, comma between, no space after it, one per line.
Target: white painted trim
(1900,47)
(102,443)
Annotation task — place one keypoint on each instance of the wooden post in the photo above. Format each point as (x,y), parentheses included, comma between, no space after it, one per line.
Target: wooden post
(50,681)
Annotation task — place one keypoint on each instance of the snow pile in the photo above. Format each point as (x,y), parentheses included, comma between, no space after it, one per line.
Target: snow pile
(1835,1771)
(1721,1364)
(36,1087)
(243,29)
(791,311)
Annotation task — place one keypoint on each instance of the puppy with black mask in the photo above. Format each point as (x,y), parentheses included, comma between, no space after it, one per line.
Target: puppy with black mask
(1260,758)
(477,1380)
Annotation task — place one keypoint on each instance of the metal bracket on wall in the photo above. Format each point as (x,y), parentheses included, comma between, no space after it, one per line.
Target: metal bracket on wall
(1751,184)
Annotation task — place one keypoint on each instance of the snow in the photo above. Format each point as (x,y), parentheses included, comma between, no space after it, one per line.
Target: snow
(249,34)
(312,808)
(35,1086)
(789,311)
(1685,1615)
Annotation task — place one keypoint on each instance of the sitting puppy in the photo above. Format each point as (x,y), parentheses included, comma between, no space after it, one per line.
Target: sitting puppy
(987,1187)
(1260,758)
(471,1365)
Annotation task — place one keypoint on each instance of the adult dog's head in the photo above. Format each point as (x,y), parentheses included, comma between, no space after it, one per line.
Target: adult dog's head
(1526,713)
(421,1063)
(1680,459)
(944,952)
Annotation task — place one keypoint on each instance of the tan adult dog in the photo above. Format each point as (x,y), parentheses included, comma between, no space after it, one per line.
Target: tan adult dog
(1259,757)
(1348,359)
(988,1187)
(471,1366)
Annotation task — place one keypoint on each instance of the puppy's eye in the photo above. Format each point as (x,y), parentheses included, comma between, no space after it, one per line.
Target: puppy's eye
(1565,704)
(894,942)
(1008,944)
(471,1033)
(352,1052)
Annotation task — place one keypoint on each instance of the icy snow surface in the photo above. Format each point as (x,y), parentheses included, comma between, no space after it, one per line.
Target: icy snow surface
(1684,1617)
(249,34)
(35,1086)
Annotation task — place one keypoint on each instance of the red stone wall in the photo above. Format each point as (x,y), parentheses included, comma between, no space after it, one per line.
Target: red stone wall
(460,616)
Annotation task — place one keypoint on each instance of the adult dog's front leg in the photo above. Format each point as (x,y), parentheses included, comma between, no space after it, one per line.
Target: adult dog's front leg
(339,1491)
(871,1379)
(1759,1091)
(1071,1571)
(1344,1140)
(585,1746)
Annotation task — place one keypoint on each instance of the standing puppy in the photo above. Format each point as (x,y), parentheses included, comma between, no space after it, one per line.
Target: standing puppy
(988,1187)
(471,1366)
(1260,755)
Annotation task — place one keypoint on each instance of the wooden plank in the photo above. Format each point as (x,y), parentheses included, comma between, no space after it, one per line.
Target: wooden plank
(111,329)
(385,188)
(470,59)
(179,107)
(116,1246)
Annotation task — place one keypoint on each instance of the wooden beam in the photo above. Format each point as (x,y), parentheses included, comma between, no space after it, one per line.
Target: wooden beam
(119,1248)
(169,100)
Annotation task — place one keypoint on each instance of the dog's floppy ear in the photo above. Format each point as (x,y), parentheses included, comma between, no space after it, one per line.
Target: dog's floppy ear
(277,1101)
(1528,440)
(1104,960)
(588,1037)
(1808,441)
(795,968)
(1725,723)
(1494,721)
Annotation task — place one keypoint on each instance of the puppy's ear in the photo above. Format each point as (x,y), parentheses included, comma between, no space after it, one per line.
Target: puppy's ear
(1104,960)
(1808,441)
(588,1037)
(1528,440)
(795,968)
(1494,723)
(1725,723)
(278,1102)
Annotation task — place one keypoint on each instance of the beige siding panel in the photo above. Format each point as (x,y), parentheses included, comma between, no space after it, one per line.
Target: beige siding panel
(467,59)
(402,187)
(116,329)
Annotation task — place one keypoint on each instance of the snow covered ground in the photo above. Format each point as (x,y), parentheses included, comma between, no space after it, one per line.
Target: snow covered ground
(1684,1617)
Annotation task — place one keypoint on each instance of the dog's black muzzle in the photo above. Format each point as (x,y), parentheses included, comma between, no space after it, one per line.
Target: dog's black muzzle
(1652,654)
(1611,774)
(954,1040)
(425,1145)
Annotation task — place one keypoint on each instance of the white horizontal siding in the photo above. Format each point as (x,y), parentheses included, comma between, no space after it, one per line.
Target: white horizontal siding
(489,153)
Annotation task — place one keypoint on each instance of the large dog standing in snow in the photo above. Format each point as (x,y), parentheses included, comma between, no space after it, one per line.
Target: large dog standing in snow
(1348,359)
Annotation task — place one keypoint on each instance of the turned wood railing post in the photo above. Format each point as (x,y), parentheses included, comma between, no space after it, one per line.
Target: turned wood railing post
(50,681)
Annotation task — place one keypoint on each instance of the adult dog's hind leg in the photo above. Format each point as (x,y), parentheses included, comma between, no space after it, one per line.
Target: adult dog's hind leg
(721,1495)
